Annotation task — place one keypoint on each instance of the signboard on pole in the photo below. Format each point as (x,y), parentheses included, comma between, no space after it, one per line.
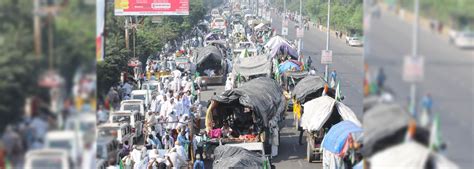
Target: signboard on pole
(413,69)
(326,57)
(151,8)
(99,36)
(299,33)
(284,31)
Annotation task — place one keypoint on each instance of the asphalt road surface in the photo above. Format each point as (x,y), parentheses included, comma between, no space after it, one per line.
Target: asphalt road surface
(348,61)
(448,77)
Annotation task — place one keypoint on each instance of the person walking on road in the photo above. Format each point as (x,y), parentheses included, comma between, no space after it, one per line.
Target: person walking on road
(380,79)
(333,78)
(309,61)
(427,104)
(198,163)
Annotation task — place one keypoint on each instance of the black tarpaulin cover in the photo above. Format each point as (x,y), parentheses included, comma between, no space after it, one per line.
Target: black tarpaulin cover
(307,86)
(236,157)
(263,95)
(208,52)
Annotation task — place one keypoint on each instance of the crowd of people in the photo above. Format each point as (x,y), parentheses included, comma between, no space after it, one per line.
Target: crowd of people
(171,136)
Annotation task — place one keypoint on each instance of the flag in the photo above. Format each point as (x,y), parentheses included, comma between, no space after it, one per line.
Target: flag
(121,164)
(338,91)
(411,130)
(7,163)
(435,134)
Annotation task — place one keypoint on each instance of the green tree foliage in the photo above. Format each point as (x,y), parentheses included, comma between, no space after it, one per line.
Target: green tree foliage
(346,15)
(457,13)
(73,34)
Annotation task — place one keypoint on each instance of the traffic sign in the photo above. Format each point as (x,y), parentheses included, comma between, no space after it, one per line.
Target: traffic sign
(284,31)
(326,57)
(413,69)
(299,33)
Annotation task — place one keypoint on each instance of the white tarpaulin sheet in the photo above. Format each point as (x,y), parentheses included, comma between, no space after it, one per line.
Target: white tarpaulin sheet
(409,155)
(318,111)
(276,41)
(347,114)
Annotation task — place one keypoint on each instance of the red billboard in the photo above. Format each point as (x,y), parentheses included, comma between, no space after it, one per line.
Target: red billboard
(151,7)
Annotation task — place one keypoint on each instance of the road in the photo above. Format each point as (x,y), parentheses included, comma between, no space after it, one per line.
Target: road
(347,61)
(448,77)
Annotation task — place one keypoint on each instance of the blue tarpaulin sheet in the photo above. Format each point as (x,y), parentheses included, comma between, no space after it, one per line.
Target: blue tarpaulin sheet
(336,137)
(288,65)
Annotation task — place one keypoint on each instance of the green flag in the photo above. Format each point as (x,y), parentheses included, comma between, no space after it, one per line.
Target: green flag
(338,91)
(435,133)
(7,164)
(121,164)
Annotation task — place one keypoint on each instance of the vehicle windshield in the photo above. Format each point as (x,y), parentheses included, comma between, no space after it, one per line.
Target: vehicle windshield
(219,20)
(140,97)
(469,34)
(132,107)
(107,132)
(61,144)
(52,162)
(87,126)
(122,118)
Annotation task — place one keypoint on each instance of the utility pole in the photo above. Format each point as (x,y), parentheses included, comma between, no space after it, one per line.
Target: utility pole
(126,34)
(50,40)
(413,85)
(37,29)
(326,73)
(134,29)
(284,15)
(300,43)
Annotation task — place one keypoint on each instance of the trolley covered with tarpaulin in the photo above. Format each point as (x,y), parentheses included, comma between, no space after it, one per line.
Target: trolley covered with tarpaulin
(306,89)
(238,157)
(255,109)
(319,116)
(337,143)
(248,68)
(385,125)
(207,59)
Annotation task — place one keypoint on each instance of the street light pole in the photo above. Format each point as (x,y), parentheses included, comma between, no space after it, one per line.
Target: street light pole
(327,39)
(301,29)
(413,86)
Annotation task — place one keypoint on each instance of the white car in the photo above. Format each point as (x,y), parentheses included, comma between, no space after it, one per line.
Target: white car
(133,105)
(219,23)
(354,41)
(107,148)
(47,158)
(121,131)
(66,140)
(133,118)
(141,95)
(83,123)
(463,39)
(151,86)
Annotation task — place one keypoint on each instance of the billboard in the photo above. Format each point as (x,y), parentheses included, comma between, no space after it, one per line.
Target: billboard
(151,7)
(100,25)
